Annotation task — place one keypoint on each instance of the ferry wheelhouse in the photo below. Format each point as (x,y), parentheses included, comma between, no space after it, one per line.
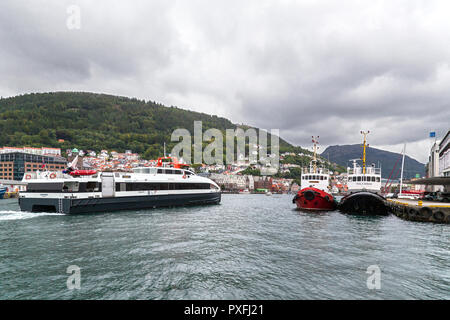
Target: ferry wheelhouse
(364,188)
(315,189)
(168,184)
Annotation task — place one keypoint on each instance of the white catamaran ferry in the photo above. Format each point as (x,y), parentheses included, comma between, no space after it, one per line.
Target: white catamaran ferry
(167,184)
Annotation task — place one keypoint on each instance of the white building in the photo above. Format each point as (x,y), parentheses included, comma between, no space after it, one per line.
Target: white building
(433,164)
(44,151)
(444,156)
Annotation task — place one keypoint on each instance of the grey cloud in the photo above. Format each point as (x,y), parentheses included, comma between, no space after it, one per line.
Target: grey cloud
(323,68)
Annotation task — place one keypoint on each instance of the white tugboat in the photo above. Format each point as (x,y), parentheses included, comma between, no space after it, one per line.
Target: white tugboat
(364,188)
(315,189)
(77,191)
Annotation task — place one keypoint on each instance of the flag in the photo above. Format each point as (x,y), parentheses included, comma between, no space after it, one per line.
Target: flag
(432,134)
(73,165)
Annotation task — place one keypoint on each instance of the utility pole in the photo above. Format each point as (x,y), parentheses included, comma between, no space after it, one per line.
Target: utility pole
(401,174)
(316,142)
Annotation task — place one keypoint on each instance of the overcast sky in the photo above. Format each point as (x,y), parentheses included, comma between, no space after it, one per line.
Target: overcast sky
(327,68)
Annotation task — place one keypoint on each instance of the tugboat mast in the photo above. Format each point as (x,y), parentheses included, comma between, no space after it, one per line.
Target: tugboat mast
(364,150)
(316,142)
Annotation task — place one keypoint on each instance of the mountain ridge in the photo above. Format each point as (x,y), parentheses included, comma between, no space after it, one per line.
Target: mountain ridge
(341,154)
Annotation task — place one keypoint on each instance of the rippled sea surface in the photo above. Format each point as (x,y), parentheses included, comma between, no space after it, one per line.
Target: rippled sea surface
(248,247)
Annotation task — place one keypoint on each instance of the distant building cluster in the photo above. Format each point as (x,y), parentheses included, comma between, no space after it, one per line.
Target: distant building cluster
(108,161)
(44,151)
(239,183)
(16,162)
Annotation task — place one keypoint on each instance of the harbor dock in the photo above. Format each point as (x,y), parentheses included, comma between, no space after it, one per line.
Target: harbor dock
(418,210)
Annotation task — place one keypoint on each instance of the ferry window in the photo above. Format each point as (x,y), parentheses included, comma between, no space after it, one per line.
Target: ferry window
(358,178)
(378,179)
(178,172)
(121,186)
(373,179)
(44,187)
(153,170)
(169,171)
(160,171)
(70,186)
(146,170)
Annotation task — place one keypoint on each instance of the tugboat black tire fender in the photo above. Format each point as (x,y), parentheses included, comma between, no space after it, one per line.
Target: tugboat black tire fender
(439,216)
(413,212)
(309,195)
(425,212)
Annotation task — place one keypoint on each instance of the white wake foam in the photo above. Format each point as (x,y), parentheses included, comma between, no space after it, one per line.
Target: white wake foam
(20,215)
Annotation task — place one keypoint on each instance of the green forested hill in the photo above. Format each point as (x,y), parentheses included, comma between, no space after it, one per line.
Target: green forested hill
(91,121)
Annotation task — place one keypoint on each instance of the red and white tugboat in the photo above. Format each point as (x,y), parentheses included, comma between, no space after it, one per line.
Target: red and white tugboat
(315,187)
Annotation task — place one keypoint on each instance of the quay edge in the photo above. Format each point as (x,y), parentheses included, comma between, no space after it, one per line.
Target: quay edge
(412,211)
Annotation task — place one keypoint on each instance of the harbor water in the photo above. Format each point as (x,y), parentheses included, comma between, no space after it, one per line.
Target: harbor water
(248,247)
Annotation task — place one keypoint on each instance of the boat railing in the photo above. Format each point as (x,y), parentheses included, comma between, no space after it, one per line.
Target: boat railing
(319,170)
(369,170)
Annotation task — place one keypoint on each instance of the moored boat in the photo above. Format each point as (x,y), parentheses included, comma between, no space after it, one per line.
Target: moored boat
(315,187)
(364,188)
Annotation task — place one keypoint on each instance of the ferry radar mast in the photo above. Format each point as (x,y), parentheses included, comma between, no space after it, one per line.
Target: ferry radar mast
(364,150)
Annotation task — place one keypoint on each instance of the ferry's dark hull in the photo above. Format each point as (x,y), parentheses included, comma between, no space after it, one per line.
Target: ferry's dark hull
(364,203)
(76,206)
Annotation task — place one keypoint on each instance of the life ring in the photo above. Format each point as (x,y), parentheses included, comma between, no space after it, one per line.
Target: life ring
(425,212)
(184,176)
(28,176)
(53,176)
(439,216)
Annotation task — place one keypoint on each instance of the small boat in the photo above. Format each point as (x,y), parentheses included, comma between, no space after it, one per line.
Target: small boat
(2,191)
(82,173)
(364,189)
(268,193)
(315,187)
